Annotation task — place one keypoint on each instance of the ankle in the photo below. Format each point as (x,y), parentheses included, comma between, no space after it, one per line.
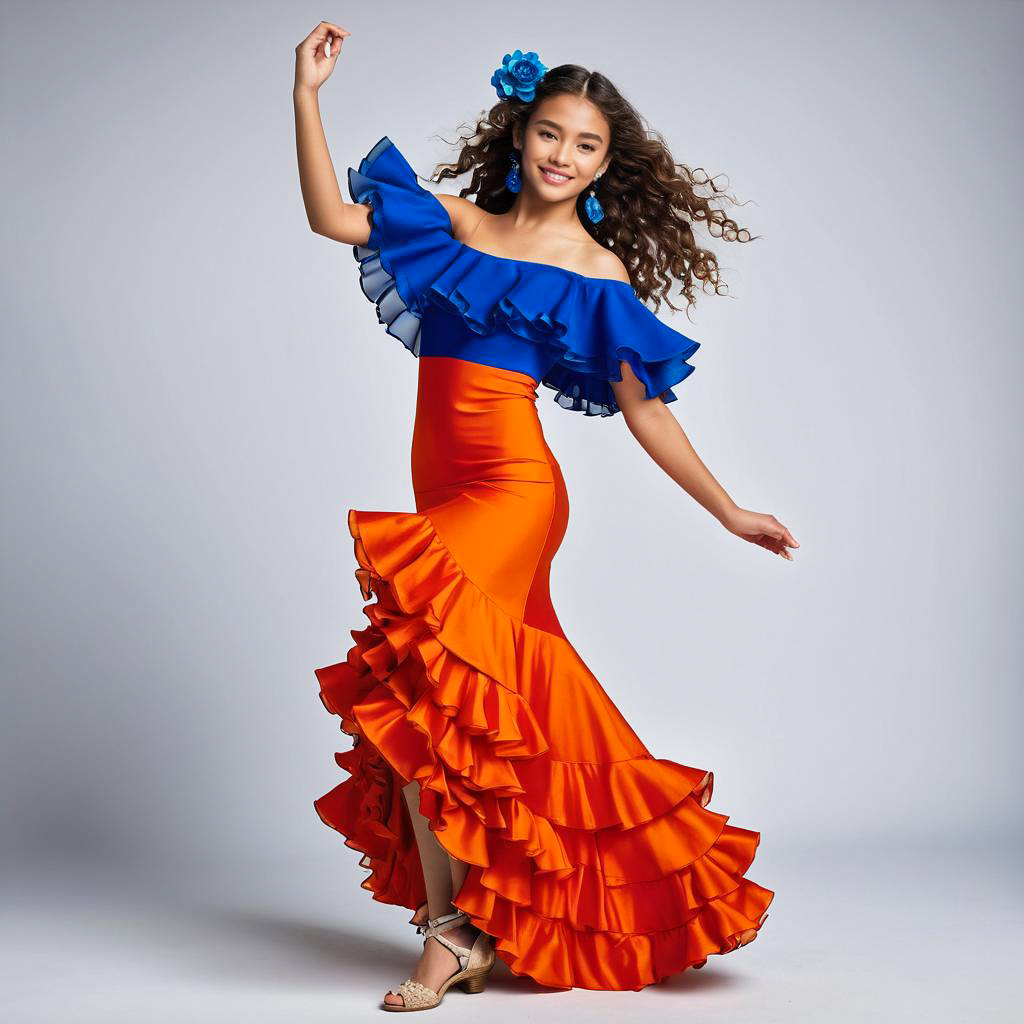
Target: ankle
(465,935)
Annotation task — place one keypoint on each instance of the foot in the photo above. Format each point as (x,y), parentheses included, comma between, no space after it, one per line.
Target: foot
(437,963)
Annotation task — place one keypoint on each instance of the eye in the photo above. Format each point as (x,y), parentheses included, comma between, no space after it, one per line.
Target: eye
(544,131)
(589,146)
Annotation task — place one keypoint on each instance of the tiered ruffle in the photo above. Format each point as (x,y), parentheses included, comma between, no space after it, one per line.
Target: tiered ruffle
(588,325)
(600,875)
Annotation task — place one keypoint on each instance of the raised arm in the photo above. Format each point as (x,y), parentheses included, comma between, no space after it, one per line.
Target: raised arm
(327,212)
(660,434)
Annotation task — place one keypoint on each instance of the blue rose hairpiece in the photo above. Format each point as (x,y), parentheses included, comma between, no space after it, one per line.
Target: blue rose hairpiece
(518,75)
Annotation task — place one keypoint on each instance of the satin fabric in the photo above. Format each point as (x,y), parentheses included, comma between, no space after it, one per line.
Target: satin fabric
(593,864)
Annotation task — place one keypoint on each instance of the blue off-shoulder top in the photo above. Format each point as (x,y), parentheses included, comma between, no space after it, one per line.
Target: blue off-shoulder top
(440,297)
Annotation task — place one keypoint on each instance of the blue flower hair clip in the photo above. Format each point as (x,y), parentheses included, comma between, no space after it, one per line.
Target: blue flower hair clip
(518,76)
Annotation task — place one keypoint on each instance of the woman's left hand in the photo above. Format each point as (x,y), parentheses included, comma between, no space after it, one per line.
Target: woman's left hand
(762,529)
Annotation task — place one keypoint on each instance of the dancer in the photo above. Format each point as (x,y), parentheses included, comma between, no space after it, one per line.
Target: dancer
(491,777)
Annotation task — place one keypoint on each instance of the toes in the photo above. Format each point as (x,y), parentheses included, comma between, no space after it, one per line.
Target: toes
(394,998)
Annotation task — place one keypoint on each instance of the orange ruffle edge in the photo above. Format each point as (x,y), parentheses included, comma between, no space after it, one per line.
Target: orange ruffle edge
(588,875)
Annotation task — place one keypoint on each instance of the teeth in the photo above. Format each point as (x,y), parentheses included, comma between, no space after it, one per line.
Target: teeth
(557,177)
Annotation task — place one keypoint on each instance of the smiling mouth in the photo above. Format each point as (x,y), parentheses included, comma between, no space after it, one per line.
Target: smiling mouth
(554,177)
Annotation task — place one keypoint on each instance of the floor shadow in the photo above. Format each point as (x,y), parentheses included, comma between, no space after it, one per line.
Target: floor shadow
(265,945)
(246,945)
(707,979)
(226,942)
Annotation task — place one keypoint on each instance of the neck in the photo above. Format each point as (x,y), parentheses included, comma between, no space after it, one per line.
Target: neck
(529,212)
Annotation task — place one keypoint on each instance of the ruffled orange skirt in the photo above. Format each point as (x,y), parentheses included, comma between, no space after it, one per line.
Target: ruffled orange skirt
(593,864)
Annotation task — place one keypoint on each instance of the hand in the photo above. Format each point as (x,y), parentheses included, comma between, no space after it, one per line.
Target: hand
(761,529)
(312,64)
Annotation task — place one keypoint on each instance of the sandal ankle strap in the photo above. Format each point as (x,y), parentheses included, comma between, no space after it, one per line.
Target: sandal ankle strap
(436,925)
(461,953)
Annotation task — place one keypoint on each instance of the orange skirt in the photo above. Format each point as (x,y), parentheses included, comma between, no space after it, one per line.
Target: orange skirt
(593,864)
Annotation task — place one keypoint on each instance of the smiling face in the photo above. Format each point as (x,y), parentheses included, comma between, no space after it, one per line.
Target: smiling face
(563,147)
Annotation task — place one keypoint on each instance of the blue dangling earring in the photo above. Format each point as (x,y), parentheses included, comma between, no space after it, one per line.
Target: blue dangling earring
(512,181)
(593,207)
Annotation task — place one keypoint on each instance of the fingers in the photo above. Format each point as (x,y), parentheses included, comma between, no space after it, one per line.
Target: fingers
(781,531)
(783,536)
(335,35)
(767,532)
(326,28)
(334,39)
(318,37)
(774,544)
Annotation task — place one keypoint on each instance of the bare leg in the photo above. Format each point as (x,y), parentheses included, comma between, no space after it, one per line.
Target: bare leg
(436,870)
(440,870)
(459,870)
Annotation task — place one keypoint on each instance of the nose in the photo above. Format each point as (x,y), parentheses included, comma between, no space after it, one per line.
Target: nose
(561,156)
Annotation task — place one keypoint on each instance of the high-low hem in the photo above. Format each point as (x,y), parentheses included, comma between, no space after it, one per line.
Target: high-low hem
(597,874)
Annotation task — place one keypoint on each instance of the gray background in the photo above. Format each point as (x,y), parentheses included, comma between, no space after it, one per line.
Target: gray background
(195,391)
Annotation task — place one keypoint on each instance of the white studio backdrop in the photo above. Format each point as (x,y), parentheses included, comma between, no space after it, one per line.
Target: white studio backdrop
(195,391)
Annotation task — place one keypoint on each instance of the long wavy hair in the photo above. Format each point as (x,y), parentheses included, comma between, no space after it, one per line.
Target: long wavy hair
(650,202)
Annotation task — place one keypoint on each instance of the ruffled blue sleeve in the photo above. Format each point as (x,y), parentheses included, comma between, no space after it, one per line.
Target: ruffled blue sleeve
(577,330)
(410,238)
(616,327)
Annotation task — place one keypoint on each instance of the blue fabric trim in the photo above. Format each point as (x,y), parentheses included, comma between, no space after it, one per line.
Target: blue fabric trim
(411,261)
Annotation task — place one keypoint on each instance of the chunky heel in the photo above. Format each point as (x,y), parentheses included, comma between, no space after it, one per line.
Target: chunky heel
(475,984)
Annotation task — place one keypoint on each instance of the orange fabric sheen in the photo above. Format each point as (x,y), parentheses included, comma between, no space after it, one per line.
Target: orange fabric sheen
(594,864)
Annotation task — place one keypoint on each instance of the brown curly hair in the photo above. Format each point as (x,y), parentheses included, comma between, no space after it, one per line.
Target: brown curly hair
(650,202)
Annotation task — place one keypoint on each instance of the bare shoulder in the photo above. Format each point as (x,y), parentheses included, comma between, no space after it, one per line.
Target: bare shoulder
(602,262)
(463,213)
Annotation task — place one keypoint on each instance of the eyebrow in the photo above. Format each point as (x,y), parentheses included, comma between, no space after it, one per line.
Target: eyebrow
(583,135)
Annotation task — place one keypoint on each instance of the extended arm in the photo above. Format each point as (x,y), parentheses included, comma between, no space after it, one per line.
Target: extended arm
(660,434)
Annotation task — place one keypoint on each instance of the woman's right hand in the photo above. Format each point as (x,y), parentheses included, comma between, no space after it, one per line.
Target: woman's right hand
(762,529)
(312,64)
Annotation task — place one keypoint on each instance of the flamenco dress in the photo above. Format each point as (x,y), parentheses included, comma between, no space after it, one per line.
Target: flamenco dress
(592,863)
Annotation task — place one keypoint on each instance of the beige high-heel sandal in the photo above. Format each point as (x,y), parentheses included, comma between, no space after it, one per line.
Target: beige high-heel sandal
(475,964)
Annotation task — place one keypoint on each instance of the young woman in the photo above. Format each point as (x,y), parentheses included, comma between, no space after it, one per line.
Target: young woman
(490,774)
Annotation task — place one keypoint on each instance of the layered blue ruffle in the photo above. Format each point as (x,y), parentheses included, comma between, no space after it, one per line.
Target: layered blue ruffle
(584,326)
